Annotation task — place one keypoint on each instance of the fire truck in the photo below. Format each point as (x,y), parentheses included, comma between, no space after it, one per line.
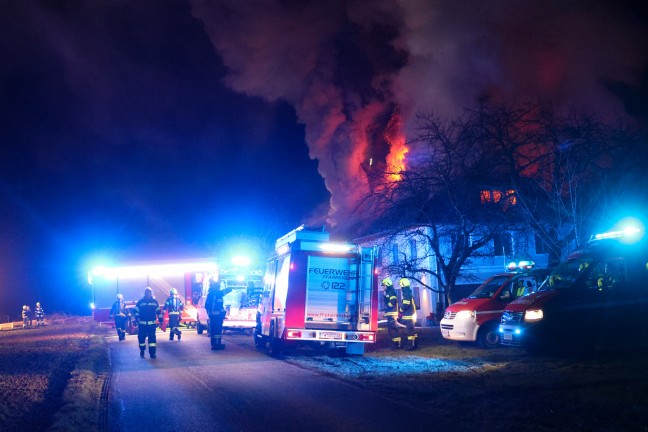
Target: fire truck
(477,317)
(598,297)
(130,280)
(318,293)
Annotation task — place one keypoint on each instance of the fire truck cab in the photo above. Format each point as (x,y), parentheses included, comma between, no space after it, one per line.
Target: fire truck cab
(598,297)
(318,293)
(476,317)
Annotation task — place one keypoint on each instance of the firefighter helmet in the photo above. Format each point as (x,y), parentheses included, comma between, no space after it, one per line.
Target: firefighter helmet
(120,296)
(173,291)
(386,282)
(404,282)
(37,304)
(24,307)
(148,290)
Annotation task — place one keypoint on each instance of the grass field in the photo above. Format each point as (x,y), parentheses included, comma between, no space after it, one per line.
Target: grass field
(51,377)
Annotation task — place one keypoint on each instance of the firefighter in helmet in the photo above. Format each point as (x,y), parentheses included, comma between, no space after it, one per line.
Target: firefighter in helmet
(40,315)
(26,316)
(216,309)
(119,313)
(174,306)
(408,313)
(391,312)
(148,310)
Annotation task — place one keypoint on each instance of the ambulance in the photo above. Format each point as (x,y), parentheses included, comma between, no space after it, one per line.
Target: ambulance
(318,293)
(476,318)
(597,298)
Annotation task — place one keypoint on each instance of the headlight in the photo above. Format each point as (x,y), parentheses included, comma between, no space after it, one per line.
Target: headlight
(465,314)
(533,315)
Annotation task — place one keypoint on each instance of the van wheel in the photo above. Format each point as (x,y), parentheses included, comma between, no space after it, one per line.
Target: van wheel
(274,344)
(488,337)
(199,328)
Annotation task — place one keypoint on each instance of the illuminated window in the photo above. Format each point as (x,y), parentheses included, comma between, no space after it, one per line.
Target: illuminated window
(493,196)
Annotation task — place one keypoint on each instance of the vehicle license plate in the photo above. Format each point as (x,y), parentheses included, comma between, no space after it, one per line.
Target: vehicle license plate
(508,336)
(330,335)
(446,333)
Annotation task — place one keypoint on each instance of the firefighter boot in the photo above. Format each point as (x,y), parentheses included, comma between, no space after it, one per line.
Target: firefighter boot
(412,346)
(141,353)
(171,335)
(397,344)
(179,333)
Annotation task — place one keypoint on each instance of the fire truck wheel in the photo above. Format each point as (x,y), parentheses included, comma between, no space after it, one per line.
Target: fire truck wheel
(274,344)
(488,337)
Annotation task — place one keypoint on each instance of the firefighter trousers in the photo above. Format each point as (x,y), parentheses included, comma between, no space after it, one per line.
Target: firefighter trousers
(147,331)
(394,331)
(216,329)
(174,322)
(120,326)
(410,331)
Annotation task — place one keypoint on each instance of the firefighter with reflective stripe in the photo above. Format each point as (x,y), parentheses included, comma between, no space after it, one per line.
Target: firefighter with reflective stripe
(408,313)
(148,310)
(174,306)
(120,314)
(391,312)
(26,316)
(40,315)
(214,304)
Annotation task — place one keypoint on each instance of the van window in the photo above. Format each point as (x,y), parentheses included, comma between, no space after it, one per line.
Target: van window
(609,274)
(489,287)
(564,276)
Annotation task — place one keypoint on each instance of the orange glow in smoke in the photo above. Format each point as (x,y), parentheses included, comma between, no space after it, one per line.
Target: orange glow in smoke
(396,140)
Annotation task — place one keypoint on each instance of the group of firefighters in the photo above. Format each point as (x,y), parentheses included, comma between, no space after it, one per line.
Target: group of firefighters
(149,313)
(400,319)
(28,316)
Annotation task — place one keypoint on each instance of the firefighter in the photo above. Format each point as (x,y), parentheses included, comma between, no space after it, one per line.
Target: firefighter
(40,315)
(391,312)
(408,313)
(26,316)
(215,307)
(148,310)
(174,306)
(120,314)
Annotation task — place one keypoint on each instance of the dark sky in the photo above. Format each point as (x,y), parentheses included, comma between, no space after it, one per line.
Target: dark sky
(141,129)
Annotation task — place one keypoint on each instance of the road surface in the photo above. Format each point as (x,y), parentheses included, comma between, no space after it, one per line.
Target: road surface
(190,388)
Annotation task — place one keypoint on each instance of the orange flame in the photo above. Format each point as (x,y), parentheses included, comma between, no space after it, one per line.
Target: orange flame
(396,139)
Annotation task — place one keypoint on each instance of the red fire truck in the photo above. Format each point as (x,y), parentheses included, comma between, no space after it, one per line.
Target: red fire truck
(319,293)
(477,317)
(130,280)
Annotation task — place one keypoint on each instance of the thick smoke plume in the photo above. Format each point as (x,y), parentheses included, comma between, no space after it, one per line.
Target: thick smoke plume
(348,67)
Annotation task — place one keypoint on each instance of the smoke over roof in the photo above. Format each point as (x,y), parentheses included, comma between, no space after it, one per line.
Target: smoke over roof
(348,67)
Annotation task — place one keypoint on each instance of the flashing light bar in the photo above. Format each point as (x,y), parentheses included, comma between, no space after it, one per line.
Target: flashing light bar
(525,265)
(154,269)
(627,232)
(336,247)
(241,261)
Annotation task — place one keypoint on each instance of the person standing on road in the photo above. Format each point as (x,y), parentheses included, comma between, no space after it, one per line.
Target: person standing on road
(408,313)
(25,316)
(148,310)
(40,315)
(214,304)
(174,306)
(120,314)
(391,312)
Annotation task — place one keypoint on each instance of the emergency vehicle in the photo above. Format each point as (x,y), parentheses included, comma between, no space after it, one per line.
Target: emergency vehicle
(477,317)
(240,304)
(318,293)
(130,280)
(598,297)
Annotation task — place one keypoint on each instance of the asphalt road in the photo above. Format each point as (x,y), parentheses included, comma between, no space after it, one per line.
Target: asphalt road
(190,388)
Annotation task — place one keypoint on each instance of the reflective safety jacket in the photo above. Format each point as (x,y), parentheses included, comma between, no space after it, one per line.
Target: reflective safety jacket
(40,313)
(408,308)
(118,308)
(174,305)
(391,302)
(148,310)
(214,304)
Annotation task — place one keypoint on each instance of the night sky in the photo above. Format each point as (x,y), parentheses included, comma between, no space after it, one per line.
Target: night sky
(147,129)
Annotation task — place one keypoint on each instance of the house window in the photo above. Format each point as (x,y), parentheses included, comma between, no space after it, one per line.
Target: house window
(395,258)
(412,244)
(541,247)
(502,244)
(492,196)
